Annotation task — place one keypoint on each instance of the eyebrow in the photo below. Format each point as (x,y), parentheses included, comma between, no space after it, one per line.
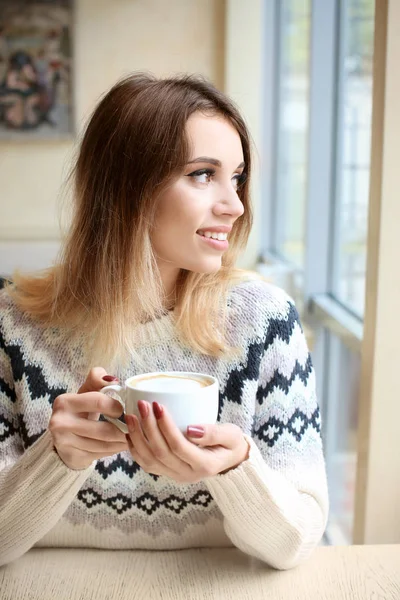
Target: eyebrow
(212,161)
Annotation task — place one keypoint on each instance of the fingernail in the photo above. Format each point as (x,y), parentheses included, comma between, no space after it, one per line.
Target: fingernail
(130,422)
(110,378)
(195,432)
(157,410)
(143,408)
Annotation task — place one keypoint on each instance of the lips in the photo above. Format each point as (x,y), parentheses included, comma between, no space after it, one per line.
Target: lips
(215,229)
(220,245)
(214,235)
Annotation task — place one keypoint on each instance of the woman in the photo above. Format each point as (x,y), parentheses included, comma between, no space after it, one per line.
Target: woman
(146,282)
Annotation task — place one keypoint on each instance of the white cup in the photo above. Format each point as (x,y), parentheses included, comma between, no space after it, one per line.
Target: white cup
(190,398)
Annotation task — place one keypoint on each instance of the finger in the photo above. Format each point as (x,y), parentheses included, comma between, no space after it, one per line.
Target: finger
(221,440)
(89,402)
(96,430)
(226,435)
(138,440)
(136,455)
(95,380)
(97,446)
(159,469)
(178,444)
(142,452)
(156,441)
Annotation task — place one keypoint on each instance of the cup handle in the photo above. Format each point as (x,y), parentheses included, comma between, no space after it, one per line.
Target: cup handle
(120,390)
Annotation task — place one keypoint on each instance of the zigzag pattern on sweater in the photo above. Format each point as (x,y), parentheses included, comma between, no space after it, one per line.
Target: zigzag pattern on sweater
(297,425)
(279,380)
(146,502)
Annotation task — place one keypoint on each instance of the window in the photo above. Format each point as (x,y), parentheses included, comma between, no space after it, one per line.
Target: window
(353,153)
(294,18)
(318,206)
(340,436)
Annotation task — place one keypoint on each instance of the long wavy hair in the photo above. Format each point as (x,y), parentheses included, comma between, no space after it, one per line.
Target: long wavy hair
(106,281)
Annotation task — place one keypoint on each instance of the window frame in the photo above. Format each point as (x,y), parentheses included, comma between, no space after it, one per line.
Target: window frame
(274,12)
(314,293)
(311,286)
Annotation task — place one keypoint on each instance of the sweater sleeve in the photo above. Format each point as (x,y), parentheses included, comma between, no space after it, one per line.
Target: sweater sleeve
(275,504)
(36,487)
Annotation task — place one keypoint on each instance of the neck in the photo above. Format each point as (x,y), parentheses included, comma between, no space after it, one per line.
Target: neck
(169,278)
(169,301)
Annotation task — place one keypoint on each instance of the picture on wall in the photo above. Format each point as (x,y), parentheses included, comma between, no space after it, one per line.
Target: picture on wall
(35,69)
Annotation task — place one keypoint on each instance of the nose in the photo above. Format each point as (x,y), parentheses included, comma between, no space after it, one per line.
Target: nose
(230,204)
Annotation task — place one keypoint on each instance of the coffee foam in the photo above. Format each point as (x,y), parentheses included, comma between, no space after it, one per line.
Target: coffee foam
(169,383)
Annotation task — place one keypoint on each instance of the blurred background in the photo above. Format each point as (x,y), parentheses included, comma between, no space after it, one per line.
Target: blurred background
(302,73)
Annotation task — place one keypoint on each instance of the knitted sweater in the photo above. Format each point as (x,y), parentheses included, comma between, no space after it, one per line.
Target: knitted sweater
(273,506)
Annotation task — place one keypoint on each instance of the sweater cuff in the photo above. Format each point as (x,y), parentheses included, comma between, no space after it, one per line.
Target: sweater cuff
(34,494)
(252,476)
(264,513)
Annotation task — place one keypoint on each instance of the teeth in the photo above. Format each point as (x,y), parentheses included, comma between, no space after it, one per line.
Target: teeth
(215,236)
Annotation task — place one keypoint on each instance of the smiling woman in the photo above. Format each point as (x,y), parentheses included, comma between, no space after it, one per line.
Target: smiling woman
(138,205)
(146,282)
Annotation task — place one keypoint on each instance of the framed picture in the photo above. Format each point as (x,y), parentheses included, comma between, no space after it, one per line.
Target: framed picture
(35,69)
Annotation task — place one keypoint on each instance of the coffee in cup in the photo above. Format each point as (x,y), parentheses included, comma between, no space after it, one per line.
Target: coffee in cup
(172,383)
(190,398)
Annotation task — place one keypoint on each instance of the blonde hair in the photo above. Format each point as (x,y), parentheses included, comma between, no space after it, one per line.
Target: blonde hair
(106,276)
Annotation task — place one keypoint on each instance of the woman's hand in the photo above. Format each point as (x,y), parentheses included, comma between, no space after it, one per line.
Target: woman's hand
(78,436)
(158,446)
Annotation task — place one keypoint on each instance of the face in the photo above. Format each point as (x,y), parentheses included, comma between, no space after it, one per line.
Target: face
(202,204)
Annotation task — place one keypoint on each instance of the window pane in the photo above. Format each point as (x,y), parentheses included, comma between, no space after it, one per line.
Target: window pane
(354,143)
(292,129)
(340,431)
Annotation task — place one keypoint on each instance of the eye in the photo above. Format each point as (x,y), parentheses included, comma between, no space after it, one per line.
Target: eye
(238,180)
(202,175)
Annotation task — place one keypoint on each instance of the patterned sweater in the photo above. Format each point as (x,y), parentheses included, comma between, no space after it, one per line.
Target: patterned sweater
(273,506)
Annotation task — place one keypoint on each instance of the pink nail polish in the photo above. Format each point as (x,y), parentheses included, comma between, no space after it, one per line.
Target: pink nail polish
(110,378)
(195,432)
(143,409)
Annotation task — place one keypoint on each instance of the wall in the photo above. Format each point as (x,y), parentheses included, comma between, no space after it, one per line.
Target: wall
(244,64)
(377,518)
(112,38)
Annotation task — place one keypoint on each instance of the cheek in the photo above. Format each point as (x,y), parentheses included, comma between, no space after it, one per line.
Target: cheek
(170,223)
(181,210)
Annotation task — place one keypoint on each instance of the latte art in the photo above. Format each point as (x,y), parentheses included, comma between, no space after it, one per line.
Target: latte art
(169,383)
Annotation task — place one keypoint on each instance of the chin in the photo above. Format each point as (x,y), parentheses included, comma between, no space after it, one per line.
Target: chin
(206,267)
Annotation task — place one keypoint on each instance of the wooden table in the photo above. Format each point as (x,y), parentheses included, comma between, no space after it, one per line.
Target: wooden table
(332,573)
